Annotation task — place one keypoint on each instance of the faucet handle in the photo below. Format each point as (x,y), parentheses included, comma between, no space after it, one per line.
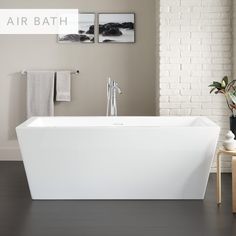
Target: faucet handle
(118,89)
(113,84)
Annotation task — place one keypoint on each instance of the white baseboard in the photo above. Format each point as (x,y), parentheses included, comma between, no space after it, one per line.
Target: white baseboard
(10,154)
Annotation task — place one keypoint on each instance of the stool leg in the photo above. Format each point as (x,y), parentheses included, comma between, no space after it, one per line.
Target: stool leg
(218,180)
(234,183)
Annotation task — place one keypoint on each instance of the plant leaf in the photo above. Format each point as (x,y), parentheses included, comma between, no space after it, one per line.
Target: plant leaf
(226,80)
(216,83)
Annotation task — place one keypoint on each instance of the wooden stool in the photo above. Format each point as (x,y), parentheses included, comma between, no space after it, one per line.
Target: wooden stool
(233,155)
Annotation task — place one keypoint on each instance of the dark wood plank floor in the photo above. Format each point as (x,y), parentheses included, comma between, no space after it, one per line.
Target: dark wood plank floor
(19,216)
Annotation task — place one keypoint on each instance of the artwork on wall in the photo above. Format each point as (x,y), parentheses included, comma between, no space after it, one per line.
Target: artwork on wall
(86,32)
(116,28)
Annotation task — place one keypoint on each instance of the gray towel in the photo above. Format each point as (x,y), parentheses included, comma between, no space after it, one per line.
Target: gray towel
(40,93)
(63,87)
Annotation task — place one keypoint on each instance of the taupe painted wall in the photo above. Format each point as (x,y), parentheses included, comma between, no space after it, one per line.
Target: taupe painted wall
(132,65)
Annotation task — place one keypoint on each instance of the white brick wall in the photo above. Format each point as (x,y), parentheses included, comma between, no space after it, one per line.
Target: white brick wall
(195,48)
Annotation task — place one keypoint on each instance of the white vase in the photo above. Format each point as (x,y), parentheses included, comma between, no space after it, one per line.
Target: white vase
(229,143)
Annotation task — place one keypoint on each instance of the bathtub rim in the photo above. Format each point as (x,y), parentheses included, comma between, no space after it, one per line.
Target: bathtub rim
(208,123)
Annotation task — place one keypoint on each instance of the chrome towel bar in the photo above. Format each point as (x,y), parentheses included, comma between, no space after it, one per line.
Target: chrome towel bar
(75,72)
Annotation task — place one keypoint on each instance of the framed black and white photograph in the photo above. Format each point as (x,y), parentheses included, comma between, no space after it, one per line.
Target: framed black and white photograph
(86,32)
(116,27)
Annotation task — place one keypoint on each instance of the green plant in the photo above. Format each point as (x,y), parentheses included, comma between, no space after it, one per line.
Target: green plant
(228,89)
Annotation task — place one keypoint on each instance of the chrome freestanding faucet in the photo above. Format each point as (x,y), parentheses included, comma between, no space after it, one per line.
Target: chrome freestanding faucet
(112,89)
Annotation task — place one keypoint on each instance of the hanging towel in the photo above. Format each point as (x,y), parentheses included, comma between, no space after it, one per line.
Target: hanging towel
(63,86)
(40,93)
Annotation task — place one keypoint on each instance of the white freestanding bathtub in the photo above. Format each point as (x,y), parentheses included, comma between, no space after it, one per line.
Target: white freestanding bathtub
(117,157)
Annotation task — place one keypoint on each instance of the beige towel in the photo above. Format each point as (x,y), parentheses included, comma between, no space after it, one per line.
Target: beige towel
(40,93)
(63,86)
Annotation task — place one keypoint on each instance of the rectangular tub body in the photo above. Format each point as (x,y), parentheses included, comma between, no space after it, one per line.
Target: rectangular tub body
(117,157)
